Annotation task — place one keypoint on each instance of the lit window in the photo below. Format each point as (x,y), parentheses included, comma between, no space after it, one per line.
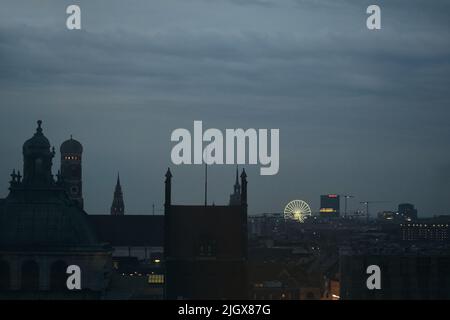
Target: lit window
(156,278)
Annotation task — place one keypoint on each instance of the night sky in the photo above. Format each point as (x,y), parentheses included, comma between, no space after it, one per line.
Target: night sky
(360,112)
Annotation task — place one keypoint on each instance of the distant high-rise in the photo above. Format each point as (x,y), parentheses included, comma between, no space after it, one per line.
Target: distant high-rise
(71,169)
(118,206)
(407,210)
(235,198)
(330,205)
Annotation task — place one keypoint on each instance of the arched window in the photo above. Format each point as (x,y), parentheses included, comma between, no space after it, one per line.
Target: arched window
(5,276)
(58,276)
(30,275)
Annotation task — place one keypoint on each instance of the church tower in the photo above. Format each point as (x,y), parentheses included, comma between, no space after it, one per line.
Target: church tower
(235,198)
(118,206)
(37,160)
(70,173)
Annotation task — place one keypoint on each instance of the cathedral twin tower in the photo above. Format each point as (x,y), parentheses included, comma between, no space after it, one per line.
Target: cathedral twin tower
(71,159)
(70,174)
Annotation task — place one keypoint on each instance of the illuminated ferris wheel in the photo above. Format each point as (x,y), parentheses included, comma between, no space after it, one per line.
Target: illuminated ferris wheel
(297,210)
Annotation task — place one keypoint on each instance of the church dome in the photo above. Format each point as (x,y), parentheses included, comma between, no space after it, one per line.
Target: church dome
(37,143)
(38,213)
(71,146)
(35,218)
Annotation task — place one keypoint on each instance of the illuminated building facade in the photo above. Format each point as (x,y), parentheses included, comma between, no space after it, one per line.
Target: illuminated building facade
(431,229)
(330,205)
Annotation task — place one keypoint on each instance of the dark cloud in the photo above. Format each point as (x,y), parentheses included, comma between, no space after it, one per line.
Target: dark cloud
(359,111)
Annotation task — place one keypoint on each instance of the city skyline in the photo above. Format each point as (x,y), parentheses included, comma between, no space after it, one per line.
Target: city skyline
(157,210)
(359,113)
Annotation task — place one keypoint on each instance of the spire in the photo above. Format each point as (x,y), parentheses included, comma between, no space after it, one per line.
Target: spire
(168,174)
(243,174)
(168,189)
(237,186)
(118,189)
(13,176)
(39,128)
(37,159)
(235,197)
(244,188)
(118,206)
(206,184)
(118,186)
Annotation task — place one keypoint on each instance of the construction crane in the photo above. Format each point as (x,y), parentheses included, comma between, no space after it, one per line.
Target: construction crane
(346,197)
(366,203)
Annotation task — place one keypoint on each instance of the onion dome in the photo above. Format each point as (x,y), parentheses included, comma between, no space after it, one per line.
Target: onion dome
(38,143)
(71,146)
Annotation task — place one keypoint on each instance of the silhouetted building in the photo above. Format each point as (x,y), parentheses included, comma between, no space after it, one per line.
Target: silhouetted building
(138,264)
(205,248)
(71,169)
(118,206)
(407,210)
(43,230)
(392,217)
(138,236)
(267,225)
(427,229)
(330,205)
(407,272)
(235,198)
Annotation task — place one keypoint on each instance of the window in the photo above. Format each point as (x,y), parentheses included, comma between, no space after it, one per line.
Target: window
(207,247)
(156,278)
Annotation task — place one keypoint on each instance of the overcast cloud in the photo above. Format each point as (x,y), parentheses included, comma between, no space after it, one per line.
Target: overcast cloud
(359,112)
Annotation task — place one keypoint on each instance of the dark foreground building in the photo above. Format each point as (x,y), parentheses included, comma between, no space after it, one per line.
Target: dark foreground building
(205,248)
(407,272)
(138,264)
(43,230)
